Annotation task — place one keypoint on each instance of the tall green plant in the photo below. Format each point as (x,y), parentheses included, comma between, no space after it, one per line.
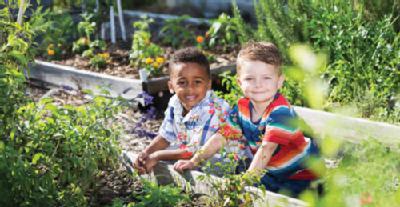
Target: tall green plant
(175,33)
(144,52)
(48,154)
(15,53)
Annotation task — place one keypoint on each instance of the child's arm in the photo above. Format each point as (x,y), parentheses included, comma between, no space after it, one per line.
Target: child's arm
(153,158)
(262,157)
(212,146)
(158,143)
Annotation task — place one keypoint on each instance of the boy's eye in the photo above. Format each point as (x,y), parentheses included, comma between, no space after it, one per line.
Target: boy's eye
(181,83)
(248,79)
(198,81)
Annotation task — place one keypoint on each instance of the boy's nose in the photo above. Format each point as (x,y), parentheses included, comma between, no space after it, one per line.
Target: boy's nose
(190,86)
(259,82)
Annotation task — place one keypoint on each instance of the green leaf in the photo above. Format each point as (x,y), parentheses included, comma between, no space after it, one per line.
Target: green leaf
(36,157)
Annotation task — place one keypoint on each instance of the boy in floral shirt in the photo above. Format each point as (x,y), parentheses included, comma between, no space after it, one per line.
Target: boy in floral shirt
(193,114)
(264,125)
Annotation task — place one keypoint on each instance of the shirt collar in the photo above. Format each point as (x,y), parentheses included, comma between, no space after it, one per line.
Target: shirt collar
(197,110)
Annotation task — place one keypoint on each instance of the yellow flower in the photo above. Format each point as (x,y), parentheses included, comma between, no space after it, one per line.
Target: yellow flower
(83,41)
(105,55)
(200,39)
(156,65)
(149,60)
(160,60)
(50,52)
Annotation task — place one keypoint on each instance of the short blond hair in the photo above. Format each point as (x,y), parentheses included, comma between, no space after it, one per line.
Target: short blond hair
(265,52)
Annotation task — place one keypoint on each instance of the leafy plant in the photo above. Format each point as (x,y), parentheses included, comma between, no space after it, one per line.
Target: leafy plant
(55,41)
(160,196)
(53,148)
(86,29)
(100,60)
(367,175)
(223,32)
(174,32)
(231,191)
(49,154)
(233,91)
(144,53)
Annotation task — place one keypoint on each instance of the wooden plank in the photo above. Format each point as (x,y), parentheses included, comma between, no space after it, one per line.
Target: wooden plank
(327,124)
(60,75)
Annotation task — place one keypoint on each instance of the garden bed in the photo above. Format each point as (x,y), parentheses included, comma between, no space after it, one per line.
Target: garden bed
(115,184)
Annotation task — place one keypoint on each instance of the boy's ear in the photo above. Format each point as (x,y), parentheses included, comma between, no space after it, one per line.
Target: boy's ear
(171,87)
(281,80)
(209,84)
(238,81)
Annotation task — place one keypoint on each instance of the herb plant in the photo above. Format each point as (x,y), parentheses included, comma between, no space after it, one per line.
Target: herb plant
(175,33)
(144,53)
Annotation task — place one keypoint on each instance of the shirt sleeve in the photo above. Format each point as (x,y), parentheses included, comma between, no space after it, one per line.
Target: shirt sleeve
(281,126)
(231,129)
(215,114)
(167,127)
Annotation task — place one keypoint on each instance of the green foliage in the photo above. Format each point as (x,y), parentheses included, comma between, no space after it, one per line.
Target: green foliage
(80,45)
(144,52)
(363,57)
(160,196)
(223,32)
(175,33)
(49,154)
(243,29)
(15,52)
(233,91)
(55,151)
(368,175)
(231,192)
(61,29)
(86,29)
(99,61)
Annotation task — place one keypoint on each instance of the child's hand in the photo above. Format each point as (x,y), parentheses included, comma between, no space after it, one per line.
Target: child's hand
(140,162)
(182,165)
(150,162)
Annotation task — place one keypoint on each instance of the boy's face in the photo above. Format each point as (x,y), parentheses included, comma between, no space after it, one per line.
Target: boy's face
(259,81)
(190,82)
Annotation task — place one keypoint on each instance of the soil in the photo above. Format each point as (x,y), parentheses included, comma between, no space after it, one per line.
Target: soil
(119,64)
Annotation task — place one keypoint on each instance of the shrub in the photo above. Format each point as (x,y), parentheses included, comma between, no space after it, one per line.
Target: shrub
(175,33)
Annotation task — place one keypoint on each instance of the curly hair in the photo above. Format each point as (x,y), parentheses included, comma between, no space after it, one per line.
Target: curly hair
(190,55)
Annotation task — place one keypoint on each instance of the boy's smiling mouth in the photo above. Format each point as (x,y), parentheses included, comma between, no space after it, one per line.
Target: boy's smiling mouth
(190,98)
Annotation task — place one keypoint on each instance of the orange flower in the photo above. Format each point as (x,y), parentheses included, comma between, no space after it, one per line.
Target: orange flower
(200,39)
(366,199)
(50,52)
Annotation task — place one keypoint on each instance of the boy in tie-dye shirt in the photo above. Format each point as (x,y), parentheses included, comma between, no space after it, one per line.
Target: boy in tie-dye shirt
(264,125)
